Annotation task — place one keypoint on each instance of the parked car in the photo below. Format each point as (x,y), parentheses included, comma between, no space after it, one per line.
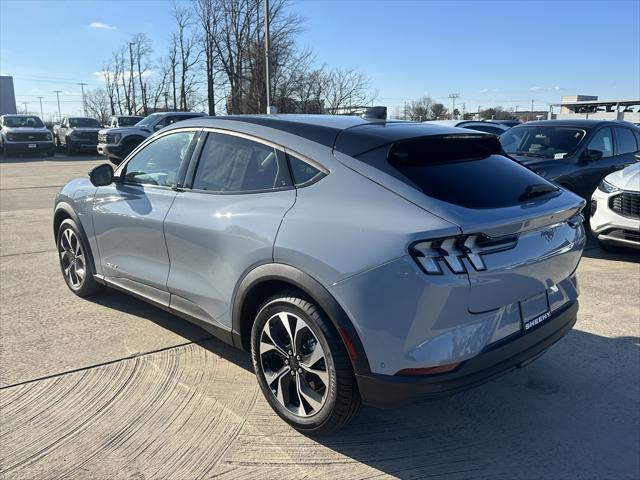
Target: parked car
(357,260)
(117,143)
(118,121)
(478,125)
(576,154)
(21,134)
(507,123)
(77,133)
(615,209)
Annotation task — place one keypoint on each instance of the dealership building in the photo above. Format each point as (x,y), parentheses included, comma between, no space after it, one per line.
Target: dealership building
(588,106)
(7,95)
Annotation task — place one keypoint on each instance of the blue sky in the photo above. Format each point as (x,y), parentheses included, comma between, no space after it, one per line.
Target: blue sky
(491,53)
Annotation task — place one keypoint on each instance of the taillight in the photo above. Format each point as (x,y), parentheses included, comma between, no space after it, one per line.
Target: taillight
(451,251)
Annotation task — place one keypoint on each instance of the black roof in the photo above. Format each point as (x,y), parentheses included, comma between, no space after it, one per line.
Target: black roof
(350,135)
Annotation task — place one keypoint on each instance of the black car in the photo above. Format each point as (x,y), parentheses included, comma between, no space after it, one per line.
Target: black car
(576,154)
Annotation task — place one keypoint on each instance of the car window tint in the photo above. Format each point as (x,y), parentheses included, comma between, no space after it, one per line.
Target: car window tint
(234,164)
(302,172)
(603,142)
(461,170)
(626,141)
(158,162)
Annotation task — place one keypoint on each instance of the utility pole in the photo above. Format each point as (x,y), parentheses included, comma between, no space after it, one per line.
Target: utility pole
(41,111)
(266,54)
(133,83)
(25,107)
(453,97)
(532,109)
(464,109)
(84,103)
(57,92)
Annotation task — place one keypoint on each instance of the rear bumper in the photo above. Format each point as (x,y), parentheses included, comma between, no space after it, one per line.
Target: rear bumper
(501,357)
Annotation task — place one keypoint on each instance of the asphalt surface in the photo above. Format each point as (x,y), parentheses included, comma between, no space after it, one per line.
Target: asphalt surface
(113,388)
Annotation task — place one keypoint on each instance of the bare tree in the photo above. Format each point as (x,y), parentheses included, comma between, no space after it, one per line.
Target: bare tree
(208,18)
(420,110)
(141,54)
(344,89)
(99,105)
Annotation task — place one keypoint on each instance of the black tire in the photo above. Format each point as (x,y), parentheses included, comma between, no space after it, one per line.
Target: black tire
(69,148)
(127,148)
(342,400)
(88,286)
(51,153)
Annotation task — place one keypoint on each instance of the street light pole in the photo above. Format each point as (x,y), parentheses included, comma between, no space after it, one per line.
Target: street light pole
(57,92)
(84,103)
(266,54)
(453,97)
(41,111)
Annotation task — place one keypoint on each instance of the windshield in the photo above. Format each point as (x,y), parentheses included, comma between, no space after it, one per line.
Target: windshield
(26,121)
(128,121)
(542,141)
(150,120)
(83,123)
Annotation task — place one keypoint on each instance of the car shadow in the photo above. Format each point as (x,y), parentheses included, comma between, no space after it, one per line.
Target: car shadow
(573,413)
(40,157)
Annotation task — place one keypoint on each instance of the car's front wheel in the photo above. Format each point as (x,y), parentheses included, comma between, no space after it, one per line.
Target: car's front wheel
(302,366)
(74,260)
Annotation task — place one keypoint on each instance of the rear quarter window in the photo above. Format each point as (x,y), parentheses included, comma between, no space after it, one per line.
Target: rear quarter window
(469,171)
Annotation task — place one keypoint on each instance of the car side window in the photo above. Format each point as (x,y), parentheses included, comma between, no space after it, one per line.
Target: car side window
(626,141)
(231,164)
(603,142)
(302,172)
(159,161)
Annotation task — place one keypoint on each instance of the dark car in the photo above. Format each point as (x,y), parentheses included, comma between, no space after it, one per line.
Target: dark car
(576,154)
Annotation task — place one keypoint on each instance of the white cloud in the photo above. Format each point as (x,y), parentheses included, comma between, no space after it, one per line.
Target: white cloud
(545,89)
(104,26)
(489,90)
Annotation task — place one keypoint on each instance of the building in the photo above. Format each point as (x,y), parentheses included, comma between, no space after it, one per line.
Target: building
(7,95)
(588,106)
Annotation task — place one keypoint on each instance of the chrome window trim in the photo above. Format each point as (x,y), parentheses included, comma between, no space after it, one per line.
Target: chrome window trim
(152,138)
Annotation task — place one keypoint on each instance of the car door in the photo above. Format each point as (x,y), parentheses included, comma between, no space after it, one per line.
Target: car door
(226,221)
(626,147)
(128,215)
(590,171)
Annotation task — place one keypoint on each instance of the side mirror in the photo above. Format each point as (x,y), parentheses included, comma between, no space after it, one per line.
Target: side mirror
(102,175)
(637,155)
(590,155)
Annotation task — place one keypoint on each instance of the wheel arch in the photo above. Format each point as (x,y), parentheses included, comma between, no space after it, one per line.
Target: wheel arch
(266,280)
(64,211)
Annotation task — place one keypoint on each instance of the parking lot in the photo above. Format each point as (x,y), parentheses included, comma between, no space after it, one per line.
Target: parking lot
(114,388)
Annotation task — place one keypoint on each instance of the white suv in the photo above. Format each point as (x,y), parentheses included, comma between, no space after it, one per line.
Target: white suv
(615,208)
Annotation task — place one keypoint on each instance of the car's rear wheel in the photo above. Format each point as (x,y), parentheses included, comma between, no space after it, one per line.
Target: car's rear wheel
(74,260)
(302,366)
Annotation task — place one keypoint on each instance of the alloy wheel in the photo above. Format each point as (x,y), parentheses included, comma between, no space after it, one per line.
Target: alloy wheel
(294,364)
(72,258)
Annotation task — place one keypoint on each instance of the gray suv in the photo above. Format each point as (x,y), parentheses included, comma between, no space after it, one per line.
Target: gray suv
(358,261)
(117,143)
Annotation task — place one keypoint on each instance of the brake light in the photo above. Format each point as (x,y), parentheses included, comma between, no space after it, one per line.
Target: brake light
(452,251)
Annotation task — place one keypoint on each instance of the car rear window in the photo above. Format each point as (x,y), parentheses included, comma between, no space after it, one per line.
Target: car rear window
(464,170)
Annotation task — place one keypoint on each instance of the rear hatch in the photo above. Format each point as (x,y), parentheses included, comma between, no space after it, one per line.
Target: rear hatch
(521,235)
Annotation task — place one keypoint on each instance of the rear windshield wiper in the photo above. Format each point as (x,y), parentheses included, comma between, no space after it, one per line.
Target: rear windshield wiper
(537,190)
